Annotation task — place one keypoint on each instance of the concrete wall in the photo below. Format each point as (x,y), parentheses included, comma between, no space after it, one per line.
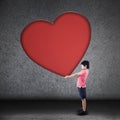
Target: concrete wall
(21,78)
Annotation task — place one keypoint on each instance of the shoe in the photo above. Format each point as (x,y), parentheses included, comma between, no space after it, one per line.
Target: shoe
(83,113)
(79,110)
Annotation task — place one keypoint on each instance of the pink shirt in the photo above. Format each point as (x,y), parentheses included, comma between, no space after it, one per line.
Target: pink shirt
(81,80)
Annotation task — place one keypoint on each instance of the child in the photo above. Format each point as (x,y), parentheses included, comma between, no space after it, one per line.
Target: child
(81,84)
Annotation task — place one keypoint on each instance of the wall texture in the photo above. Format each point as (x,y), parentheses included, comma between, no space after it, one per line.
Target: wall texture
(21,78)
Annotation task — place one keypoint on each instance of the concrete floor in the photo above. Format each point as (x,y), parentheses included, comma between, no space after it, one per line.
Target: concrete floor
(58,110)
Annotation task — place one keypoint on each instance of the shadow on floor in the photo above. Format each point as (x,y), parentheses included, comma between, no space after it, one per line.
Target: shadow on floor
(37,109)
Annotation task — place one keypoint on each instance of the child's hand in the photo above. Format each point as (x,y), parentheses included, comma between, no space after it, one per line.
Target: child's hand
(66,76)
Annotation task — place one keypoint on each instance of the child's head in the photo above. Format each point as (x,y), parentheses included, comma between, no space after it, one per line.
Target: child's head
(85,64)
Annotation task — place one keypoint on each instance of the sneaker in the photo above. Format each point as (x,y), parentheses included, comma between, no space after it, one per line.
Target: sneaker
(83,113)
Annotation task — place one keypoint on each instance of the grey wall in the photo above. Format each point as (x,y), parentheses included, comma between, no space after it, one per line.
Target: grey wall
(21,78)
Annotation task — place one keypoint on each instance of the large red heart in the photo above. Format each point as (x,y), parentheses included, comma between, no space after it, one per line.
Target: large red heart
(57,46)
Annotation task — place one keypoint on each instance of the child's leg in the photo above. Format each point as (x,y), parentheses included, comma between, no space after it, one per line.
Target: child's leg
(82,93)
(84,104)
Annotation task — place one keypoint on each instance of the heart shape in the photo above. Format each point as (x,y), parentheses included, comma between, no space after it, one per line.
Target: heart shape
(57,46)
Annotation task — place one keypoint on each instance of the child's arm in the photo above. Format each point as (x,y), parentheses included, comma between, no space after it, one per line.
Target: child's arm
(73,75)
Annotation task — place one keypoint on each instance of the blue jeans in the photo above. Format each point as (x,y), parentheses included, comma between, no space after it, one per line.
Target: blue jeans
(82,93)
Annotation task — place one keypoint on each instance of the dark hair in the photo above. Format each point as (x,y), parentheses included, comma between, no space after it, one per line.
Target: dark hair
(85,63)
